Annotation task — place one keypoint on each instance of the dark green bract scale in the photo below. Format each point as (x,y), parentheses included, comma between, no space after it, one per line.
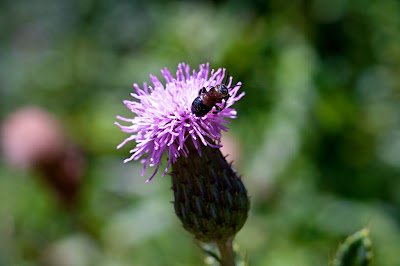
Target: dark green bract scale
(209,197)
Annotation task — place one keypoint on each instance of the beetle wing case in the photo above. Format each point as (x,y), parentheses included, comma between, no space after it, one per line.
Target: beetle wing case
(199,108)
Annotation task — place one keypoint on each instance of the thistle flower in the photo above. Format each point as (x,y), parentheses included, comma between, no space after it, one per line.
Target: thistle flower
(164,122)
(209,196)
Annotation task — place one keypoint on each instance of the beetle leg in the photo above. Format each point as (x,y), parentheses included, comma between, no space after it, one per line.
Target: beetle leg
(226,99)
(219,109)
(202,90)
(226,78)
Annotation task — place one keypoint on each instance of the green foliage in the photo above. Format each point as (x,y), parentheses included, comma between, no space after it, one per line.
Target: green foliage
(316,139)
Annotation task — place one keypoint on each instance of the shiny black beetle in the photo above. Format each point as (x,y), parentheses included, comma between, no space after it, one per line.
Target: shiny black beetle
(208,99)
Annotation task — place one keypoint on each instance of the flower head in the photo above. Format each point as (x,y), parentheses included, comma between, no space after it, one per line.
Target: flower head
(164,120)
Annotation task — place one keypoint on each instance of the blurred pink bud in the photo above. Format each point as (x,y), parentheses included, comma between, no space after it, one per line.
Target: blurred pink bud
(31,138)
(29,135)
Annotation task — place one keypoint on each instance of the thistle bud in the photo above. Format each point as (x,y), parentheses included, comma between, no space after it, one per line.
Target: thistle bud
(209,196)
(356,250)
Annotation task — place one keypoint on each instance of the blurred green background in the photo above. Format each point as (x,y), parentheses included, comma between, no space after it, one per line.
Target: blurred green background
(317,138)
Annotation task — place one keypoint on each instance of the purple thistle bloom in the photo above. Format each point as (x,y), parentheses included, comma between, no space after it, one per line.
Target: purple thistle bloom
(164,120)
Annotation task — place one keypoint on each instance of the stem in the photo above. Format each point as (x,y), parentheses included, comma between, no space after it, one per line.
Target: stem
(227,254)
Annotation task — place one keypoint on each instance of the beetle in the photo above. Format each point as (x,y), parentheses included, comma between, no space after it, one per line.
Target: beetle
(206,100)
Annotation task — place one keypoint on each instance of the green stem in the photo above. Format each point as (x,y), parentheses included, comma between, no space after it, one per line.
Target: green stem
(227,253)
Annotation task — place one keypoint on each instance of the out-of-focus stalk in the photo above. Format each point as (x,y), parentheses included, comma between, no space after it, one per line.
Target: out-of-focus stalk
(227,253)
